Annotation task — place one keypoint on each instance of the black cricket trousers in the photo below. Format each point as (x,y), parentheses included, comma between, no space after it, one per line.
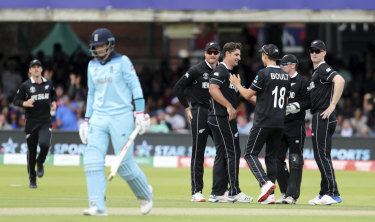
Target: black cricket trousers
(322,131)
(200,131)
(257,138)
(228,154)
(41,136)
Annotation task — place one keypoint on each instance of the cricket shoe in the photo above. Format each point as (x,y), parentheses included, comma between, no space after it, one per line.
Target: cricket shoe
(40,170)
(328,200)
(94,211)
(219,199)
(270,199)
(266,190)
(280,201)
(198,197)
(241,197)
(146,205)
(289,200)
(33,185)
(315,200)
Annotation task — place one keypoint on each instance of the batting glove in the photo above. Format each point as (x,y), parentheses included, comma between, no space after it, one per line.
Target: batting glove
(292,108)
(84,131)
(143,120)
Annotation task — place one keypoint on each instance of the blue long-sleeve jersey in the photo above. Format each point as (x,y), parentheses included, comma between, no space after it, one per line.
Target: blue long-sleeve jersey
(112,87)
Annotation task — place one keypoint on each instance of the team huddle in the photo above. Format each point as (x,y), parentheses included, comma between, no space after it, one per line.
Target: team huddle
(280,96)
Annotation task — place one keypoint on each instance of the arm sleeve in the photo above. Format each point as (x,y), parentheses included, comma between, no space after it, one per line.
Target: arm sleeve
(53,94)
(326,73)
(217,78)
(258,82)
(185,81)
(90,95)
(132,80)
(305,98)
(20,96)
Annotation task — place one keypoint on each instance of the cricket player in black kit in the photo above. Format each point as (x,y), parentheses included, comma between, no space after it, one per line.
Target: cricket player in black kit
(223,124)
(271,87)
(294,133)
(37,95)
(196,82)
(325,91)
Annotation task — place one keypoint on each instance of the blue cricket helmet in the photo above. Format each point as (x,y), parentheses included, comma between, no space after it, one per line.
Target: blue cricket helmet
(101,36)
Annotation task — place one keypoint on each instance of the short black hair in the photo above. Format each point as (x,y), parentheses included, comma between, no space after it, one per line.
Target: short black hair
(231,46)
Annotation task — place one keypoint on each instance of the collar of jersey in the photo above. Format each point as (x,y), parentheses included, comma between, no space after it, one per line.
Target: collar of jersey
(32,80)
(294,75)
(224,65)
(208,64)
(273,66)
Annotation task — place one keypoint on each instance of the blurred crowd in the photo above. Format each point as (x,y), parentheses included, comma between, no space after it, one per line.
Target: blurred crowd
(356,110)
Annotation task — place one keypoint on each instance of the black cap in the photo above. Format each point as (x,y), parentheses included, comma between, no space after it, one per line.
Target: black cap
(289,58)
(318,44)
(271,50)
(35,62)
(211,45)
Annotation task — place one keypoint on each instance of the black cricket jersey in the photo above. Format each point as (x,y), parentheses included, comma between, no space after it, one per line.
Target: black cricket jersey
(197,83)
(272,85)
(321,87)
(299,93)
(43,95)
(220,76)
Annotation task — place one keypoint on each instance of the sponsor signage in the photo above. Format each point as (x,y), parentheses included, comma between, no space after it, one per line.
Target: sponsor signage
(177,145)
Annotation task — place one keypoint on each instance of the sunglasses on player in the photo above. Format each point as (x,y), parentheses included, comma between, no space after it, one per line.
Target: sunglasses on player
(286,63)
(212,52)
(317,51)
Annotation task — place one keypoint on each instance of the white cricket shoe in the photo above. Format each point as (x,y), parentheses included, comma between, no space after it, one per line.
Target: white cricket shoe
(94,211)
(219,199)
(280,201)
(241,197)
(315,200)
(270,199)
(266,190)
(328,200)
(198,197)
(146,205)
(289,200)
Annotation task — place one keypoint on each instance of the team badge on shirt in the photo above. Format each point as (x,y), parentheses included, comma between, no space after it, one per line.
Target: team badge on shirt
(32,89)
(205,75)
(46,87)
(187,75)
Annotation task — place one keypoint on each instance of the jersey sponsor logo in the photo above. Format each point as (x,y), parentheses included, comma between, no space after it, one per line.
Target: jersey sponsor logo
(187,75)
(216,74)
(41,96)
(205,85)
(256,79)
(292,95)
(312,86)
(292,84)
(205,75)
(32,89)
(103,80)
(231,86)
(328,69)
(279,76)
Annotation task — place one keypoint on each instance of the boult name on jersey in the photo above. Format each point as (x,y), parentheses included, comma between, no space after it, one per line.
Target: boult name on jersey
(279,76)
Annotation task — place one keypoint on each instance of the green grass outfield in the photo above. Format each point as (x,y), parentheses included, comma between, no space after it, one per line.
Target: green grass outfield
(61,196)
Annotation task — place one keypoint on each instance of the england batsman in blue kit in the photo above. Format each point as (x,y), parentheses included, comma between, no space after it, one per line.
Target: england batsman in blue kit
(113,84)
